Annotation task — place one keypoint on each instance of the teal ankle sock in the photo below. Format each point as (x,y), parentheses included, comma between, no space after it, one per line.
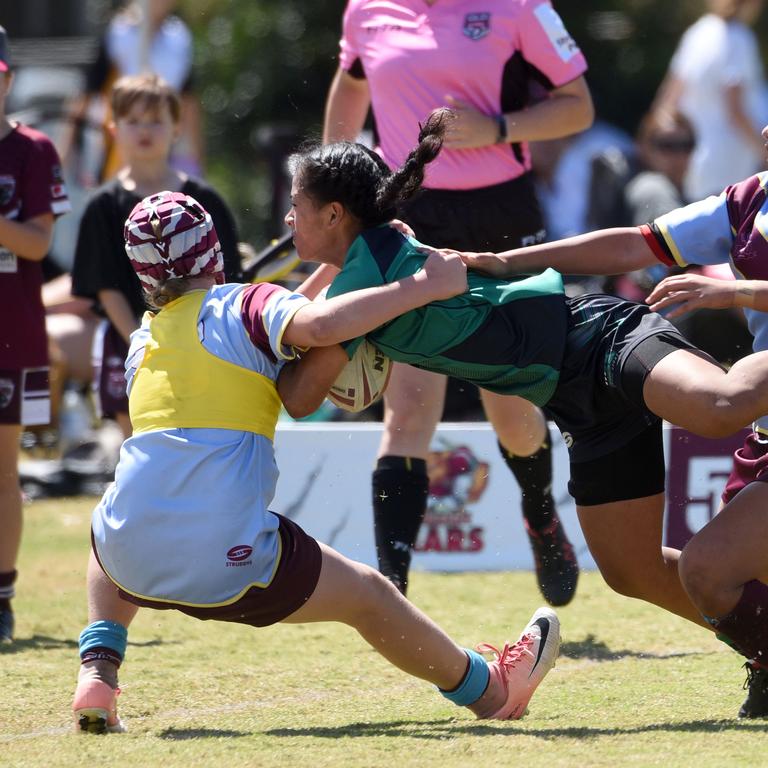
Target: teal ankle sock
(474,682)
(105,636)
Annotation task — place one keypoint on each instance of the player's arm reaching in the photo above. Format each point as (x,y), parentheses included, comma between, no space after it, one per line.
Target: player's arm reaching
(605,252)
(353,314)
(685,293)
(303,385)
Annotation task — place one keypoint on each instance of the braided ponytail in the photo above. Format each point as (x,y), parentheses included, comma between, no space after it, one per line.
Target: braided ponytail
(407,180)
(356,177)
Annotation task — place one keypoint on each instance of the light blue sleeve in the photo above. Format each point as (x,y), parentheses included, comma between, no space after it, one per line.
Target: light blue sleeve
(223,334)
(135,354)
(699,233)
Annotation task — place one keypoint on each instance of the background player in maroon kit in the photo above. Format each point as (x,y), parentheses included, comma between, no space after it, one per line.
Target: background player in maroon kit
(32,194)
(724,568)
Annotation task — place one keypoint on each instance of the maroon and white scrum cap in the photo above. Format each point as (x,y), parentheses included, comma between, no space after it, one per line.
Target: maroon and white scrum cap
(170,235)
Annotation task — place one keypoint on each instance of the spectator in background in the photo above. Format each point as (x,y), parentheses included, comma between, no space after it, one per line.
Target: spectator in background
(628,189)
(168,53)
(403,60)
(716,79)
(32,194)
(624,193)
(561,171)
(146,111)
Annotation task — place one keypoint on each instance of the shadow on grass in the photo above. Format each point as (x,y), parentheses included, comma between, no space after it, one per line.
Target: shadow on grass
(36,643)
(597,650)
(444,729)
(183,734)
(46,643)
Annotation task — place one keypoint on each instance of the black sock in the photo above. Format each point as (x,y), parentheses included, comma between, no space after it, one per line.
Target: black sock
(7,580)
(534,476)
(400,490)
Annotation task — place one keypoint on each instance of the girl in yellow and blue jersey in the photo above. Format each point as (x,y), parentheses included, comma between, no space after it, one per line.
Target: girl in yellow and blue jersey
(187,525)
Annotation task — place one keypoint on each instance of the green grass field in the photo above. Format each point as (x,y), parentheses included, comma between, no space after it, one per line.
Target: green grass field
(633,687)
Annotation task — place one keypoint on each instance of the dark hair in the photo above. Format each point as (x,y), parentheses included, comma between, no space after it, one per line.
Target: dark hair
(657,125)
(360,180)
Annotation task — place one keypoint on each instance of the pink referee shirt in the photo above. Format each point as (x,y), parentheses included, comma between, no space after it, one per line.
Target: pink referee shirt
(493,54)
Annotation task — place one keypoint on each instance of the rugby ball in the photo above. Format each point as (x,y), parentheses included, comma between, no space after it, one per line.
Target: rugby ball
(363,379)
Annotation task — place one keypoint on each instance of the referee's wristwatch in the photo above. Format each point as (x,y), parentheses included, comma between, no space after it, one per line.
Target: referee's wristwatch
(501,123)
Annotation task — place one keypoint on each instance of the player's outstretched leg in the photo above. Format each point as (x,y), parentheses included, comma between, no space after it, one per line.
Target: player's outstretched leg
(361,597)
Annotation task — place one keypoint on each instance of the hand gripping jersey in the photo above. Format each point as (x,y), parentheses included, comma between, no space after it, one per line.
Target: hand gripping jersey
(507,337)
(730,228)
(187,519)
(497,55)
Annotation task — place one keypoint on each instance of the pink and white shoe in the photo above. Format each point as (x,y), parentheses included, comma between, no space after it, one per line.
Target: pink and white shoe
(95,708)
(519,668)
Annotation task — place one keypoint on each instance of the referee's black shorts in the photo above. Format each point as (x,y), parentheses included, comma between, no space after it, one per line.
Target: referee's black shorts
(495,218)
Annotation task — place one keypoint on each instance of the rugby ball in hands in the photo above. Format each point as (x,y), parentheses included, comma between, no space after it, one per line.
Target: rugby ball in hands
(363,379)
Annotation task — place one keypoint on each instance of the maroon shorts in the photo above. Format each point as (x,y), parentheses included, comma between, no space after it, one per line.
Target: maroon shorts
(109,353)
(293,584)
(750,464)
(25,397)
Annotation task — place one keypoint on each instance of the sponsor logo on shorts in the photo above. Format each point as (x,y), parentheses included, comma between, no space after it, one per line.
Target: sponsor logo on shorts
(477,25)
(7,388)
(7,188)
(115,385)
(568,440)
(9,264)
(239,556)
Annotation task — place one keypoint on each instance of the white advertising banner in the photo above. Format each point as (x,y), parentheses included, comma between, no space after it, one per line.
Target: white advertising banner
(473,522)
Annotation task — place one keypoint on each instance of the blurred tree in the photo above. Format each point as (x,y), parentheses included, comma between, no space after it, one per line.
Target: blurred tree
(263,71)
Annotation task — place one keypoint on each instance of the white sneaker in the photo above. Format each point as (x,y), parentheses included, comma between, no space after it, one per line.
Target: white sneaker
(522,666)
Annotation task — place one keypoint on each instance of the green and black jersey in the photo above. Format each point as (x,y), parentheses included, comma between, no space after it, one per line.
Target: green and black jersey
(507,337)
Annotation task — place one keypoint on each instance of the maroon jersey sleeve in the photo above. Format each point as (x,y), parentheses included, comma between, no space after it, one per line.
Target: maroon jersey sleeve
(255,298)
(44,190)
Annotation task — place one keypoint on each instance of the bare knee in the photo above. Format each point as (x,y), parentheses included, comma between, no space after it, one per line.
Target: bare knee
(409,417)
(696,573)
(623,582)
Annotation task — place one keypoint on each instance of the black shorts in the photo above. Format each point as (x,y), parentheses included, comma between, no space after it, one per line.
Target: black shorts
(295,579)
(598,406)
(495,218)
